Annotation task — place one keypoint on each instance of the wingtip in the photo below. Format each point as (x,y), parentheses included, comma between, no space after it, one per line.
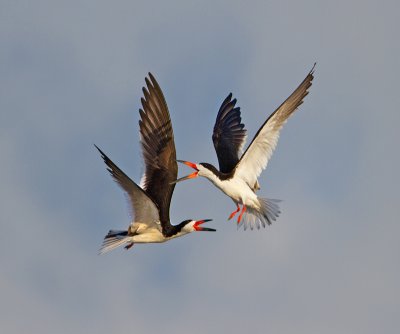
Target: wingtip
(153,80)
(151,76)
(148,83)
(103,155)
(313,68)
(101,152)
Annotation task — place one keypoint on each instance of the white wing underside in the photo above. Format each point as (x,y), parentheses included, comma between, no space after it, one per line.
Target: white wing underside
(256,158)
(257,155)
(142,208)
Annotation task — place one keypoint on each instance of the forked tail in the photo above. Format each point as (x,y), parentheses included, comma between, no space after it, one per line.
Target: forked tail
(114,239)
(268,212)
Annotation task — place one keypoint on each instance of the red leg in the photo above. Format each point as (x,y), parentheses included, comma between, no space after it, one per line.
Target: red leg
(129,245)
(234,212)
(241,214)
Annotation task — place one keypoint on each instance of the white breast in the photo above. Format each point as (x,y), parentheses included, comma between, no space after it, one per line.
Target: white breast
(237,189)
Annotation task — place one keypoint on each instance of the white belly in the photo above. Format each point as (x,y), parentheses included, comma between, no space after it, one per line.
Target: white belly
(148,235)
(239,191)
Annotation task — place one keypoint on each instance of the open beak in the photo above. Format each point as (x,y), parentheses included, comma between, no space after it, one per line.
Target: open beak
(190,176)
(197,226)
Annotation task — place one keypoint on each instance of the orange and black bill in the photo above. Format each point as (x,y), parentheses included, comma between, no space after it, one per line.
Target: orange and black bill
(206,229)
(190,176)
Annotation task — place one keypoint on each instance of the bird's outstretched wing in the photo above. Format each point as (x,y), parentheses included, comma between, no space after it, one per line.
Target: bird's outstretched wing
(229,135)
(143,209)
(158,146)
(260,150)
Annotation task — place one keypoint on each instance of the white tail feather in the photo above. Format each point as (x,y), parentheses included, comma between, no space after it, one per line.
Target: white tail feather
(268,212)
(113,240)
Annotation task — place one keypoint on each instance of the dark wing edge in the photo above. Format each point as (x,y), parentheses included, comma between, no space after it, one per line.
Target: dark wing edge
(158,147)
(269,131)
(229,134)
(142,207)
(290,105)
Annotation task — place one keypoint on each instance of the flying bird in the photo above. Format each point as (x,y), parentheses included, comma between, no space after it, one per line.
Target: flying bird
(150,202)
(238,176)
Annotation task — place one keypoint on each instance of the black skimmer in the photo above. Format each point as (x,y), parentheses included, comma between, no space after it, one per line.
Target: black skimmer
(237,177)
(150,202)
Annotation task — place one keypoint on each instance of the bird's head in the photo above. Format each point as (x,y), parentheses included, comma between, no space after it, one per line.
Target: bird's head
(194,225)
(201,169)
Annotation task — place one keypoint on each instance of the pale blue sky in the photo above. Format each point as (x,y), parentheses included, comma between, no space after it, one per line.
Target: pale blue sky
(71,74)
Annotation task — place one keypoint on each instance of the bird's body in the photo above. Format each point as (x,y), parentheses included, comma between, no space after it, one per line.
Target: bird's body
(150,202)
(236,188)
(140,233)
(238,175)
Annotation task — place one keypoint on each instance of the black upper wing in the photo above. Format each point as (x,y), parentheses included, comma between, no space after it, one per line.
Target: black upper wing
(229,135)
(158,146)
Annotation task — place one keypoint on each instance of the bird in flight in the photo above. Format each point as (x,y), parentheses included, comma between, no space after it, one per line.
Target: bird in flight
(150,202)
(238,176)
